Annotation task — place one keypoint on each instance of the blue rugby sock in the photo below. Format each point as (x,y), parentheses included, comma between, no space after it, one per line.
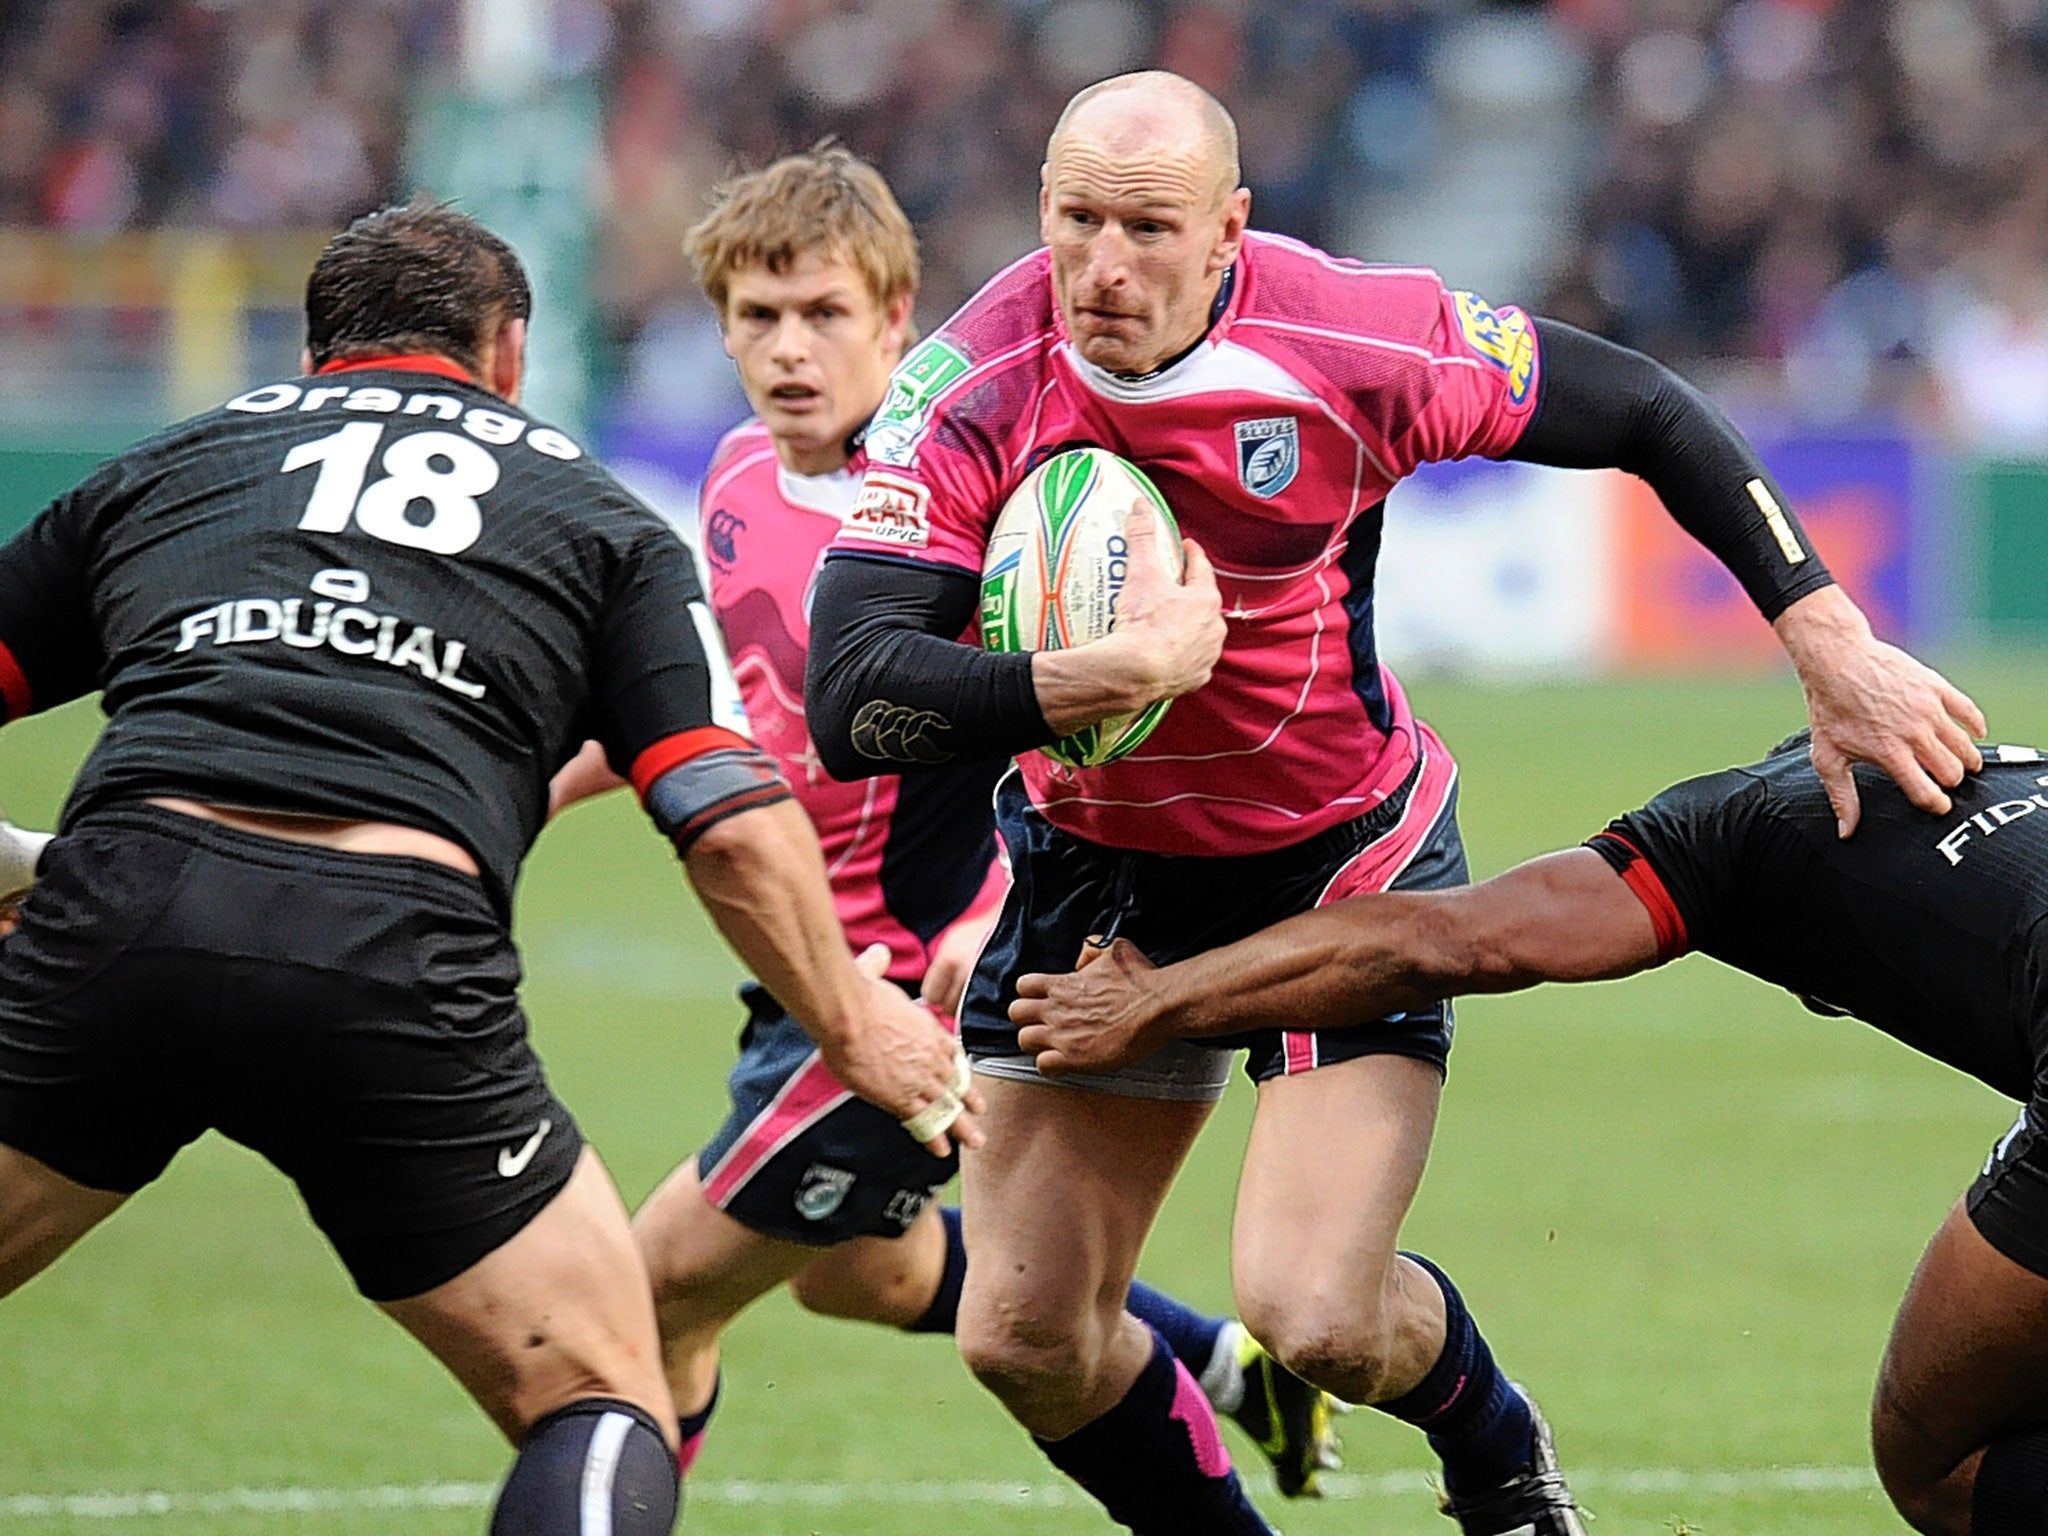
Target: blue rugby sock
(596,1455)
(1476,1421)
(2011,1493)
(1191,1335)
(1156,1460)
(944,1312)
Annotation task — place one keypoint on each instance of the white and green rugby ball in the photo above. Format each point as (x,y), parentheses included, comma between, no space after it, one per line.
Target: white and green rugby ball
(1056,564)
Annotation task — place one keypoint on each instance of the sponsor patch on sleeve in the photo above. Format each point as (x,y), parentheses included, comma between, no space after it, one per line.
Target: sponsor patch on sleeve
(891,509)
(1500,336)
(906,412)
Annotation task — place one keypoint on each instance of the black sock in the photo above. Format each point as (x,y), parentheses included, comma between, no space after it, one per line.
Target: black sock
(597,1454)
(1476,1421)
(2011,1497)
(1156,1460)
(944,1312)
(690,1427)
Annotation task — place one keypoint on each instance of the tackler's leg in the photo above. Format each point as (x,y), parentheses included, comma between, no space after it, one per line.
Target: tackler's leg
(42,1213)
(1959,1425)
(553,1334)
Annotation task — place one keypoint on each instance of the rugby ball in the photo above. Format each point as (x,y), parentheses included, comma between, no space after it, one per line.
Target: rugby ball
(1057,560)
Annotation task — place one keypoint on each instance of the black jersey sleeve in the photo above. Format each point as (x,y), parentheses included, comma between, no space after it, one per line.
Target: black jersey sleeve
(1682,854)
(1604,406)
(888,688)
(659,670)
(49,652)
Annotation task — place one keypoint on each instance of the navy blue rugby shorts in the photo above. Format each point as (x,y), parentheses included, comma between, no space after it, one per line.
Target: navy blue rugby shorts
(1065,889)
(799,1157)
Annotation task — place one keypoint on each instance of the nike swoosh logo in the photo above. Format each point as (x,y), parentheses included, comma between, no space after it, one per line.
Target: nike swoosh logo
(512,1164)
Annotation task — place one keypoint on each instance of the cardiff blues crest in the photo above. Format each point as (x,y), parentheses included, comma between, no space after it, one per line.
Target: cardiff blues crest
(1268,454)
(822,1190)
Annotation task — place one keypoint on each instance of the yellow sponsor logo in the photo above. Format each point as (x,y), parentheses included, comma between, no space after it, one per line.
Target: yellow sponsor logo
(1503,338)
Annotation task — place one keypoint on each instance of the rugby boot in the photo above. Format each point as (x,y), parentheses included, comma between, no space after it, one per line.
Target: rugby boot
(1289,1420)
(1534,1502)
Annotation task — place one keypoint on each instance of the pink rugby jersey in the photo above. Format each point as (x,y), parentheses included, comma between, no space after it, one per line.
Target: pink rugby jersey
(1275,441)
(904,865)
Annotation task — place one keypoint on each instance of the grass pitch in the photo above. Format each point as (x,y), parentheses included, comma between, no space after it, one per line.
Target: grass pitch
(1683,1209)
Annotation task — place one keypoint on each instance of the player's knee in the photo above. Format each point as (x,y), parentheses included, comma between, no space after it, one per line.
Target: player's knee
(1926,1486)
(598,1454)
(1344,1350)
(1025,1361)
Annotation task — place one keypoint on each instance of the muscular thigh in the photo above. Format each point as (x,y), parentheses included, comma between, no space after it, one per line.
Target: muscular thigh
(1968,1357)
(1331,1168)
(1058,1201)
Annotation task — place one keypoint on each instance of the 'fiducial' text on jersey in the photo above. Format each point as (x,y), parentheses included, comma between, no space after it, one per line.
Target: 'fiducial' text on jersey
(380,593)
(1275,440)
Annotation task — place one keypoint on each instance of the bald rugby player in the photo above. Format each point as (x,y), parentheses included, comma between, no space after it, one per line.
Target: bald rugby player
(1276,394)
(1934,930)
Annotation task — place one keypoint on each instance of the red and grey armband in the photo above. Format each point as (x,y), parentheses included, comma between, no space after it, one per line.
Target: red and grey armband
(695,779)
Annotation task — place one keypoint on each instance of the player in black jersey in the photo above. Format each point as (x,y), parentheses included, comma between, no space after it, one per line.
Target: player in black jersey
(1934,929)
(347,626)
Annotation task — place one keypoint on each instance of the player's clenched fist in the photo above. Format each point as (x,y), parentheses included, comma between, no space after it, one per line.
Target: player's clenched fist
(901,1059)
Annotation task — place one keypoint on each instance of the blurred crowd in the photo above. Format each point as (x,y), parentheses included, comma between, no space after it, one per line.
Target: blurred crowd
(118,113)
(1847,199)
(1851,194)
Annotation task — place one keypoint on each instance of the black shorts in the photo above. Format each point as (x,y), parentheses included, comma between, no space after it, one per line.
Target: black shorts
(2009,1201)
(800,1158)
(1065,889)
(351,1017)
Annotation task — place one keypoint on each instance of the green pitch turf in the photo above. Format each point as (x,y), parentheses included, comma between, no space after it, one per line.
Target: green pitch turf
(1682,1208)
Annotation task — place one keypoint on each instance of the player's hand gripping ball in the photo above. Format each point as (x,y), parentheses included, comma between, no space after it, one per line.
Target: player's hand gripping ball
(1057,560)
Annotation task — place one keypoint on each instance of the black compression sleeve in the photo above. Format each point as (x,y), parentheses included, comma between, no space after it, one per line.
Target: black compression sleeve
(888,689)
(1605,406)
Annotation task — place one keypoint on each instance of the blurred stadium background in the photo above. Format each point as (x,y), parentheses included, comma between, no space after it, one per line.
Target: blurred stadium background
(1686,1208)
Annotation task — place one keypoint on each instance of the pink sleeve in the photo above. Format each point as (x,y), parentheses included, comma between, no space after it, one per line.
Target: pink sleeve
(935,453)
(1486,368)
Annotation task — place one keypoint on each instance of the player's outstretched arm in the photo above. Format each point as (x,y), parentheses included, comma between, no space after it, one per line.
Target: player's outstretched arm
(1606,406)
(762,879)
(1564,917)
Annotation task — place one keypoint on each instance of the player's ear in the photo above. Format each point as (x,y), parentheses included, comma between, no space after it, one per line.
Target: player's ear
(506,362)
(896,323)
(1045,202)
(1237,213)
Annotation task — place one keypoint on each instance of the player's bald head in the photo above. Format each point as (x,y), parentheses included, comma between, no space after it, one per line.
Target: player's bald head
(1146,114)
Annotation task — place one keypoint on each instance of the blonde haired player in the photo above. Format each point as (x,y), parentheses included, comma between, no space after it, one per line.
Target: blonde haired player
(812,268)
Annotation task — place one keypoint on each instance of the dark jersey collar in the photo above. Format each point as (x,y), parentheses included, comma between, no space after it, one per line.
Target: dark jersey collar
(401,362)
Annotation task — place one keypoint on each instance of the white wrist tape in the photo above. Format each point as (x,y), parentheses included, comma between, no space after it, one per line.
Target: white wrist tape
(945,1109)
(19,851)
